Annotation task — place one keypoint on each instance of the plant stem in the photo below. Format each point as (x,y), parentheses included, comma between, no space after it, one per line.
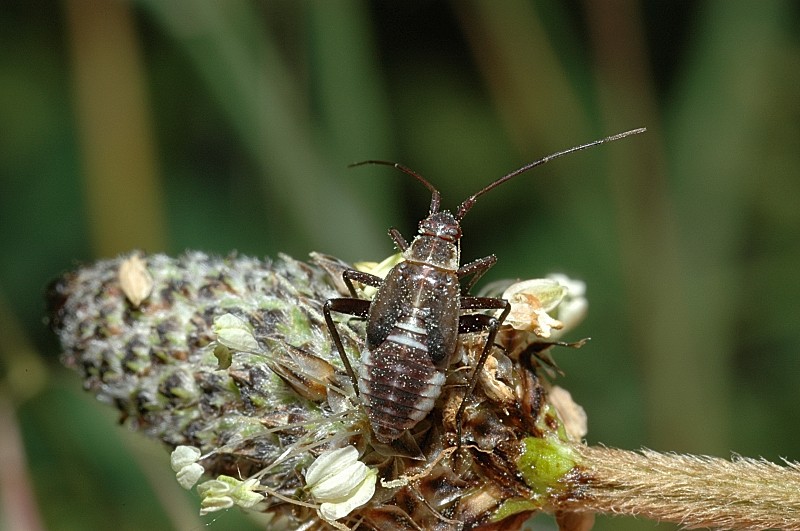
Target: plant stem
(693,491)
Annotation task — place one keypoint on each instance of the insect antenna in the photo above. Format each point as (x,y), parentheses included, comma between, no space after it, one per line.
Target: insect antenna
(470,201)
(435,195)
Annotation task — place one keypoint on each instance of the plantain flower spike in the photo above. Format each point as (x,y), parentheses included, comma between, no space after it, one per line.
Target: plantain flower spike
(229,363)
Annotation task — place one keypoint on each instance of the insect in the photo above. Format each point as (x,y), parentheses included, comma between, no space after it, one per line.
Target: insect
(414,320)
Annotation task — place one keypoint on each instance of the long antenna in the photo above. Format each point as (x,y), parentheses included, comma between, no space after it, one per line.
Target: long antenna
(435,195)
(470,201)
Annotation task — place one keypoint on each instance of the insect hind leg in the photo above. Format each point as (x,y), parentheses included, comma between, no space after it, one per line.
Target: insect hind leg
(474,323)
(348,306)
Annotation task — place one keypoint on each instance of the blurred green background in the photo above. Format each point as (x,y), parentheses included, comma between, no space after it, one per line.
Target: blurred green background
(228,125)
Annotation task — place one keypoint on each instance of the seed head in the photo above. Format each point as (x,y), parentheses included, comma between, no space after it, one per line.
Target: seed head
(229,362)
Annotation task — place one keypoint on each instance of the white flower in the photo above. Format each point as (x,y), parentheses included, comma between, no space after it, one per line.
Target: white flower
(184,462)
(339,482)
(235,333)
(531,300)
(225,492)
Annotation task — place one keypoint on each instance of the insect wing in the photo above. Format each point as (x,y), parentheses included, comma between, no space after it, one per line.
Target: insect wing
(442,322)
(387,306)
(421,296)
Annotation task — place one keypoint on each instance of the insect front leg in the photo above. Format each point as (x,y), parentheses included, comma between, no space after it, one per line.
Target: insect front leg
(475,323)
(398,239)
(477,269)
(349,306)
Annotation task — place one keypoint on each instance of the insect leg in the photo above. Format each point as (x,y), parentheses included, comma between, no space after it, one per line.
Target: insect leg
(349,275)
(356,307)
(398,239)
(473,323)
(539,350)
(477,269)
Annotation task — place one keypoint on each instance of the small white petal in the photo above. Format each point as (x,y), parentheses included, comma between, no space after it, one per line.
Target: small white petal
(189,474)
(331,511)
(572,312)
(215,494)
(341,484)
(575,288)
(182,456)
(329,463)
(215,487)
(243,496)
(235,333)
(574,307)
(547,292)
(215,503)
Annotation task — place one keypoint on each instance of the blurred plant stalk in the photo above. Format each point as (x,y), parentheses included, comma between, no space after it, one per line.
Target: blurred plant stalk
(122,181)
(229,363)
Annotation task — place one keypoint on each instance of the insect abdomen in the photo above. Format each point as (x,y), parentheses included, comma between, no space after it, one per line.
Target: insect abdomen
(398,381)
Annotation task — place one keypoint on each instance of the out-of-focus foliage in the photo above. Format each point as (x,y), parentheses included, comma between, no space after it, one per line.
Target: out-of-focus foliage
(228,126)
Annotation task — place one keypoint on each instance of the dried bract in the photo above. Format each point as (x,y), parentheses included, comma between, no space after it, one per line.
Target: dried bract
(135,280)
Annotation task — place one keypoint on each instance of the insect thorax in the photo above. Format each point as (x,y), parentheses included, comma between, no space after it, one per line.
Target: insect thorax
(437,242)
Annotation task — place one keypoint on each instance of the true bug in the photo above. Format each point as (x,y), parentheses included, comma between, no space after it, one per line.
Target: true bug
(414,320)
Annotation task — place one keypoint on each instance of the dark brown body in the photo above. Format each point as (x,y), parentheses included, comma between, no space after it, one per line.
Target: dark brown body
(413,325)
(412,332)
